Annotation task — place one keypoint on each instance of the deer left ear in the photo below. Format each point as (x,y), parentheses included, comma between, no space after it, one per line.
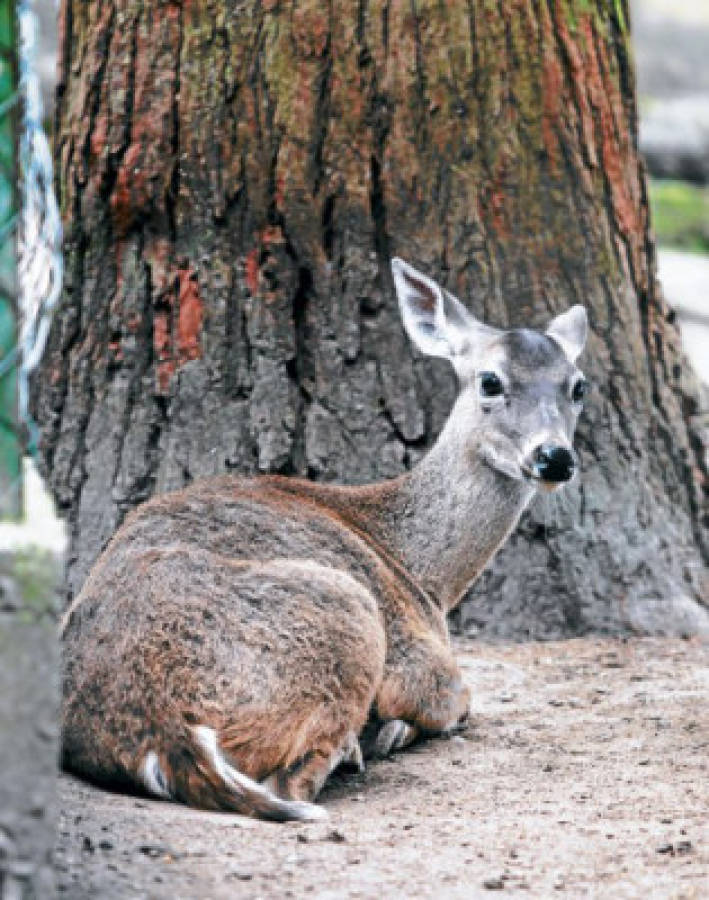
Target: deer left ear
(435,320)
(570,331)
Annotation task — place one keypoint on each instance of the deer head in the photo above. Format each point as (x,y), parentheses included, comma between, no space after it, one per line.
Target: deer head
(520,390)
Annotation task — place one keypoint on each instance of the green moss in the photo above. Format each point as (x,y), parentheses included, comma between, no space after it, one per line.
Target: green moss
(598,10)
(620,16)
(36,572)
(575,9)
(680,214)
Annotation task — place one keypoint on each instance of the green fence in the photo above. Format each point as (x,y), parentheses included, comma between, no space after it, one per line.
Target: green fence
(10,455)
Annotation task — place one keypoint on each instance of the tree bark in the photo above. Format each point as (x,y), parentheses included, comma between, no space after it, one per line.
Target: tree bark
(234,178)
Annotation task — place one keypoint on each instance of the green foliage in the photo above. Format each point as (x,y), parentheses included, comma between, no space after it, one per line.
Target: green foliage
(680,214)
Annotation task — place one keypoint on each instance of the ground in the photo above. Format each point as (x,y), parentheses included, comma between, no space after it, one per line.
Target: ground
(583,773)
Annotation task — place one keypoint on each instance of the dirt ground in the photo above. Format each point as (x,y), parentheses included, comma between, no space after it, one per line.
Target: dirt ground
(584,772)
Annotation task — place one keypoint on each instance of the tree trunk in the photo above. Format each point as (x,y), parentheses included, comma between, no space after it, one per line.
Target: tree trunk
(234,178)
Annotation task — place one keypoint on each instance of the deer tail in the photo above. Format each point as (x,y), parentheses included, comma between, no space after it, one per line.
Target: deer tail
(199,774)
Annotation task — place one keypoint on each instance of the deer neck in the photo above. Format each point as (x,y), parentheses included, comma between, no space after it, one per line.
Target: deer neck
(445,519)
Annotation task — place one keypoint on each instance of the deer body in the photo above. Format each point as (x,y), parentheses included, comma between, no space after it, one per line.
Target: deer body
(238,639)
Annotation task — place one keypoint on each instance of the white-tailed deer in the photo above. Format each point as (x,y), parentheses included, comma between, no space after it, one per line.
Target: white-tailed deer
(235,637)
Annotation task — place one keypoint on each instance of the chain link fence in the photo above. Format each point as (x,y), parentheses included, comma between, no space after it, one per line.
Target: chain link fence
(30,241)
(10,457)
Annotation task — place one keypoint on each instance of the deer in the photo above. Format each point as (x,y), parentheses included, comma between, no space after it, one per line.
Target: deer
(241,638)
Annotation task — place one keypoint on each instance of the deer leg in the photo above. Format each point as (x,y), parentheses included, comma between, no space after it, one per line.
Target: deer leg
(386,737)
(422,694)
(304,779)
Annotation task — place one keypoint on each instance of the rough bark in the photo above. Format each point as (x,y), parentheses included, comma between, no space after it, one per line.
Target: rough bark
(234,178)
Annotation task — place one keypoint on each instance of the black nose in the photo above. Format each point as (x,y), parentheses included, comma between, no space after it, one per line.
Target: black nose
(553,463)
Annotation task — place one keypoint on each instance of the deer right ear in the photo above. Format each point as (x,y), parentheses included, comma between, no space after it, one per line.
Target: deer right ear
(437,323)
(570,330)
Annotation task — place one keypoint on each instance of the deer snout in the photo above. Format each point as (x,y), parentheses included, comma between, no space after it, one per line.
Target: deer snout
(553,463)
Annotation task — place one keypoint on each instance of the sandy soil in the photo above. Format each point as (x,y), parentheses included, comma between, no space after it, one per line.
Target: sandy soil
(583,773)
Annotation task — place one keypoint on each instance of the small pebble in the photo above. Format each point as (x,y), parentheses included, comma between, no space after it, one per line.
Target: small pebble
(240,875)
(337,837)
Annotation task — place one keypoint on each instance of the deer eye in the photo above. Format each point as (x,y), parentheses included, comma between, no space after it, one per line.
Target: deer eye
(490,385)
(579,391)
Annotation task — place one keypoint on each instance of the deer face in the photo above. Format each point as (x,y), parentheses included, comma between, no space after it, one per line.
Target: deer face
(520,390)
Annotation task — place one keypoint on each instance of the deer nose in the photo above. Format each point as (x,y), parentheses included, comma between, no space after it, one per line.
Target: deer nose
(553,463)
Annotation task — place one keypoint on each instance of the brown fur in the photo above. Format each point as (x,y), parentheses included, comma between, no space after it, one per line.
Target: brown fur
(246,630)
(282,654)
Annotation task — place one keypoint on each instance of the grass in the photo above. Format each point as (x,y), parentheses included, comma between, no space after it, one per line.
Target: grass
(680,214)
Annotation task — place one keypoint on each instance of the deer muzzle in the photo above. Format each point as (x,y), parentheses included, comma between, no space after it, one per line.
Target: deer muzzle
(553,463)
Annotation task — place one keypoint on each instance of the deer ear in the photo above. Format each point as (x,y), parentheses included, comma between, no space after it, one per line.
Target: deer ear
(570,330)
(437,323)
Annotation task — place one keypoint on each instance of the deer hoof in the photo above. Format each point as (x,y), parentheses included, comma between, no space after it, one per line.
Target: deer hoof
(393,735)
